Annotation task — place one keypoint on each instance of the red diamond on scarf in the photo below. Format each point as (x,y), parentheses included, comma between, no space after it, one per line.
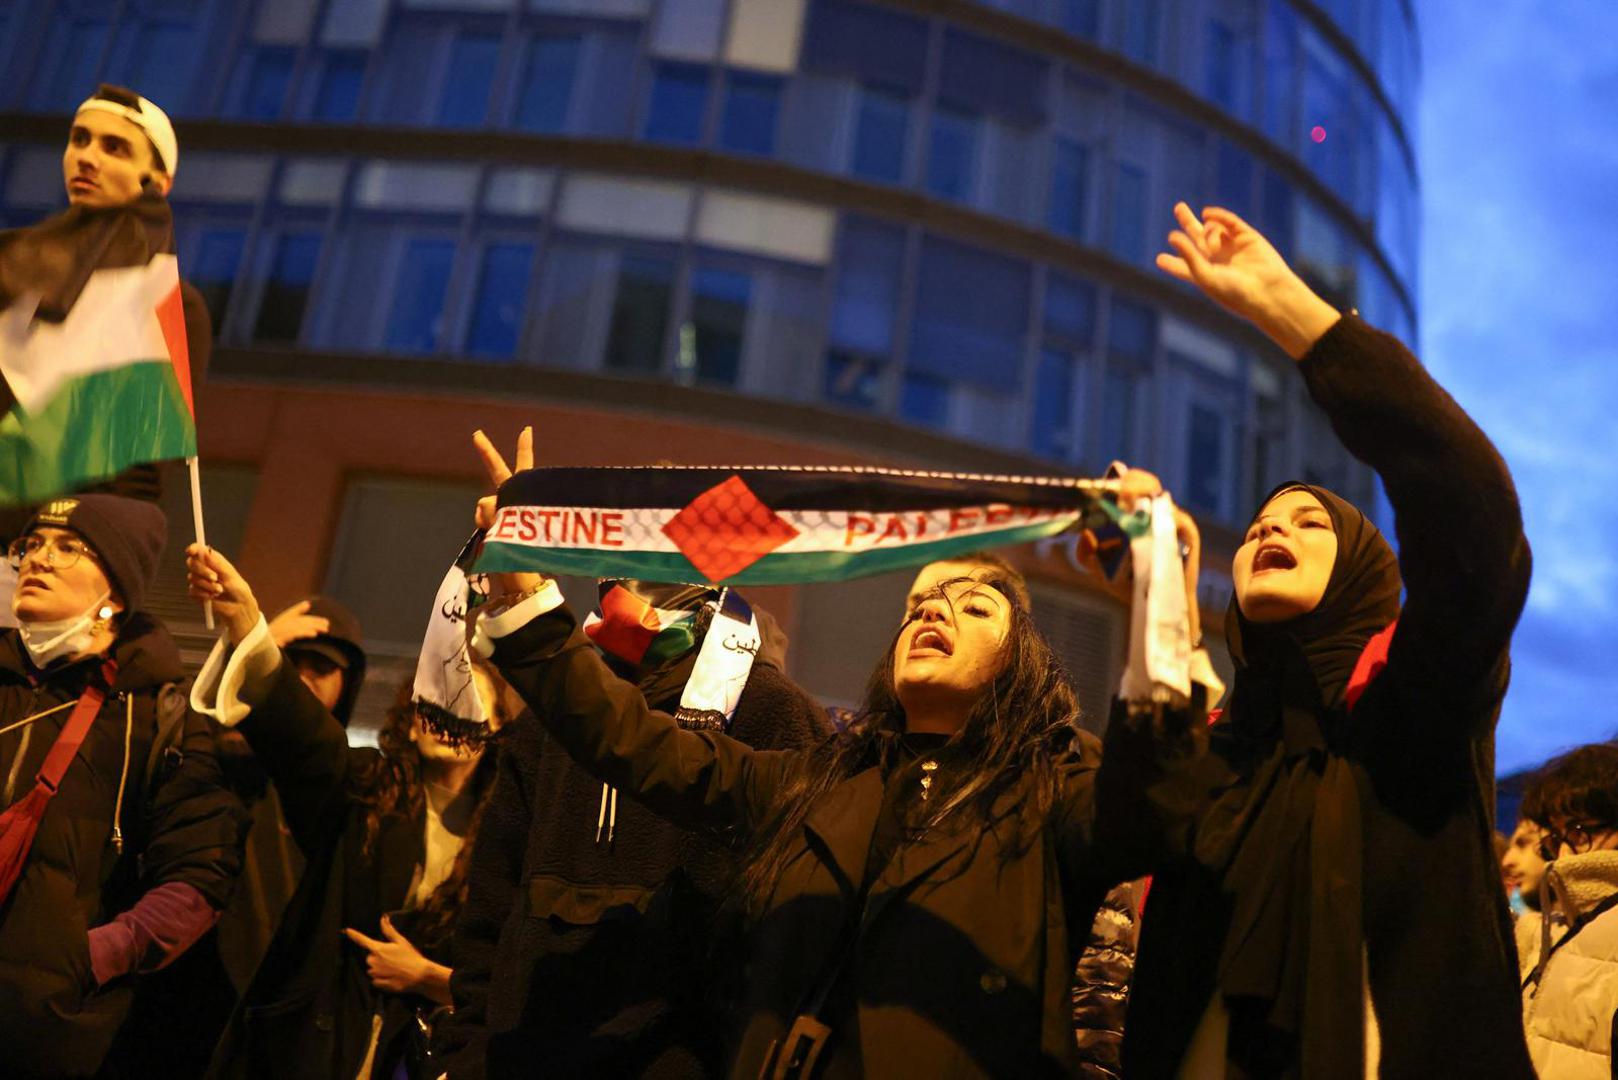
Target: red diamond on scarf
(726,529)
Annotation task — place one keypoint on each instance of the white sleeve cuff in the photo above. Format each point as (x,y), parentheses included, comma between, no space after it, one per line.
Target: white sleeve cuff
(232,677)
(491,628)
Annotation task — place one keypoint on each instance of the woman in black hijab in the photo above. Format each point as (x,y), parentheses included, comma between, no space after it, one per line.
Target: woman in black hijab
(1341,852)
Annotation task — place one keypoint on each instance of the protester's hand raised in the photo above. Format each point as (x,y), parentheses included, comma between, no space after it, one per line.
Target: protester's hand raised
(296,624)
(211,577)
(1133,486)
(494,464)
(1237,268)
(503,586)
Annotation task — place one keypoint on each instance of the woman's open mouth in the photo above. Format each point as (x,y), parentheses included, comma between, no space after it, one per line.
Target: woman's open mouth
(1273,557)
(930,640)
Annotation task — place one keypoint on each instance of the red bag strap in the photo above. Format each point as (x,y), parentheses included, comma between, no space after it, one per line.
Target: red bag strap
(77,727)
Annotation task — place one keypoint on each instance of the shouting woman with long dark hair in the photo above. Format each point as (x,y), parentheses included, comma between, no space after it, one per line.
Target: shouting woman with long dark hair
(917,886)
(1337,911)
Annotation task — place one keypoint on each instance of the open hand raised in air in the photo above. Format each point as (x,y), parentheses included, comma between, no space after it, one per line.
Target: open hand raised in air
(1237,268)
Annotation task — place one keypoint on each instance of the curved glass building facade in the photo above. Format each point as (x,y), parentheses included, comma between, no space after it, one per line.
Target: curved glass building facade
(928,222)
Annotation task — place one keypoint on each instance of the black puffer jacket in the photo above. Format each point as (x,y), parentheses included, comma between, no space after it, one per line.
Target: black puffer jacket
(1101,983)
(594,958)
(186,829)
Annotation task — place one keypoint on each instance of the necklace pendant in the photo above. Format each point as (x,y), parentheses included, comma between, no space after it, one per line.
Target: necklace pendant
(927,770)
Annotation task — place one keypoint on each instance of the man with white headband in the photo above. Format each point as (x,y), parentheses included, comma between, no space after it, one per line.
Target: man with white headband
(117,168)
(120,147)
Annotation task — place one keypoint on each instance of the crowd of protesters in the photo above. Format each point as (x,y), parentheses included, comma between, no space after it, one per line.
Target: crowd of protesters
(200,876)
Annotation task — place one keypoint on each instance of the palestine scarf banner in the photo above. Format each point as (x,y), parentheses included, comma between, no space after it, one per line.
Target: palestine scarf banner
(445,694)
(771,525)
(93,351)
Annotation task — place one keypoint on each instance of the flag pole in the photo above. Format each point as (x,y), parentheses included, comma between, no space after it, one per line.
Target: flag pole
(196,519)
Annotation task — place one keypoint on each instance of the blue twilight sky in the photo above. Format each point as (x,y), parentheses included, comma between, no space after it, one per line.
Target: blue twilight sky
(1518,147)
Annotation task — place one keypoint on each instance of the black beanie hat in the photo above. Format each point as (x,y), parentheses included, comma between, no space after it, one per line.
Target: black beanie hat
(126,534)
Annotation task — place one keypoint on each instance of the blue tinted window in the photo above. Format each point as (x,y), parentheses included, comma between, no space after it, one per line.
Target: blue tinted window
(866,42)
(338,95)
(1142,28)
(1117,414)
(751,105)
(1280,72)
(1052,433)
(1233,182)
(952,153)
(1204,463)
(1222,73)
(971,313)
(1070,164)
(1132,333)
(854,381)
(465,101)
(498,307)
(1129,213)
(211,269)
(547,88)
(1081,17)
(869,260)
(418,295)
(985,76)
(718,319)
(924,399)
(268,73)
(163,62)
(881,125)
(72,58)
(640,314)
(1280,214)
(679,98)
(286,293)
(1070,309)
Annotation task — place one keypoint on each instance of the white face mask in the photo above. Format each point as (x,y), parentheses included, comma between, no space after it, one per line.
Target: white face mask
(50,640)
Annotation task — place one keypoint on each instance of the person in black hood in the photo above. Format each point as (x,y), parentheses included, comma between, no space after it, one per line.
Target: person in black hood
(322,639)
(384,834)
(1334,910)
(189,1003)
(594,937)
(121,842)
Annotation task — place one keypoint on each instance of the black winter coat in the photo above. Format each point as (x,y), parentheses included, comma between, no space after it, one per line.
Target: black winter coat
(187,828)
(595,958)
(964,960)
(1420,744)
(308,1011)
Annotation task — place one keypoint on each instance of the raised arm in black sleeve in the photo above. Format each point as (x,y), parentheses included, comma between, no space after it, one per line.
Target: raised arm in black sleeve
(690,778)
(305,751)
(1462,552)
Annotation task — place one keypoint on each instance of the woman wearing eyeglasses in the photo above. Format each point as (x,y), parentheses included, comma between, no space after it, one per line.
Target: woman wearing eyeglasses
(118,840)
(1570,997)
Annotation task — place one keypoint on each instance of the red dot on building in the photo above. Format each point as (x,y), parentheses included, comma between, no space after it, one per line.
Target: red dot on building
(1317,133)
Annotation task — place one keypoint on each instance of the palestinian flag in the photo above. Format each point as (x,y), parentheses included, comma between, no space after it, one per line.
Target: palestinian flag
(643,622)
(770,525)
(93,351)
